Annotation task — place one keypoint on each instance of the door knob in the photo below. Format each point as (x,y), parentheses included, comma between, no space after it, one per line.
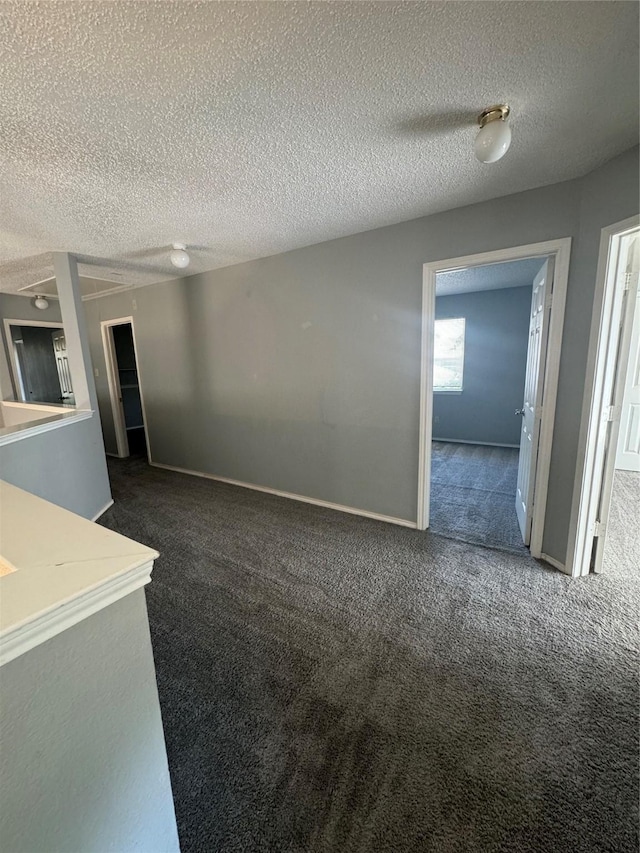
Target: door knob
(519,411)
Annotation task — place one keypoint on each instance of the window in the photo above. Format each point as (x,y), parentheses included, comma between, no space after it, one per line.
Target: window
(448,355)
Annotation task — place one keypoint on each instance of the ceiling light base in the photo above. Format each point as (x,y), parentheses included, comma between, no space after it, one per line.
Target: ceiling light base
(501,111)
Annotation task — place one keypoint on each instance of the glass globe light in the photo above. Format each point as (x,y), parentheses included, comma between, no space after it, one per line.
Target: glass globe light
(494,137)
(179,257)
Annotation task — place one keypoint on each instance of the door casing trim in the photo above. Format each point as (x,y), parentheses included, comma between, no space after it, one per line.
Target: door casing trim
(561,250)
(584,505)
(15,373)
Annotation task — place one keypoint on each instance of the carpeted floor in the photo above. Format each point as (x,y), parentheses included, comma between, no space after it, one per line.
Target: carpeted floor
(473,495)
(622,545)
(333,684)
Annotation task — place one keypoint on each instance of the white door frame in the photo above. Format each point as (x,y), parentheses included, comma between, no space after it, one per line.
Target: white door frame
(606,336)
(13,362)
(560,250)
(113,380)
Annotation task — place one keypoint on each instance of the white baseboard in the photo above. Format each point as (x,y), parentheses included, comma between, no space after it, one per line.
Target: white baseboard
(555,563)
(103,510)
(464,441)
(315,501)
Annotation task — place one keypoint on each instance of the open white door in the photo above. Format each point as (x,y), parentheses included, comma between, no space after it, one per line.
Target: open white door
(531,411)
(628,452)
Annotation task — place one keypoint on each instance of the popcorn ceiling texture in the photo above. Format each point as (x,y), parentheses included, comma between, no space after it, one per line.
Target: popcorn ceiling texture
(247,129)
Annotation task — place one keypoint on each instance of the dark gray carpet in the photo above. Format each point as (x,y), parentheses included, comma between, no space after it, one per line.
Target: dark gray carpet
(333,684)
(473,495)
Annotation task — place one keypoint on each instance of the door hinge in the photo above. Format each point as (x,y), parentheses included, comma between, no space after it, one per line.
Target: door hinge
(596,530)
(611,413)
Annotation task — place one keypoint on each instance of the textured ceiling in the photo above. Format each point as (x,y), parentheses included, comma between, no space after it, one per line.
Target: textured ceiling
(246,129)
(488,277)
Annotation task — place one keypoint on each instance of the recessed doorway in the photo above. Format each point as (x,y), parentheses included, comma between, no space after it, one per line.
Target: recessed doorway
(38,361)
(124,387)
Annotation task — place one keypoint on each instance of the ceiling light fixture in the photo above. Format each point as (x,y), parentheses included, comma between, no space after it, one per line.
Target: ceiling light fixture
(41,303)
(179,256)
(494,138)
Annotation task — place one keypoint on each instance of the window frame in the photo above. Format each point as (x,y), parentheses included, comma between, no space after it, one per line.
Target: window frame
(454,391)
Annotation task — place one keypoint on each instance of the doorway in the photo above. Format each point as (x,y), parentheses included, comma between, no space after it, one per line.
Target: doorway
(123,376)
(610,434)
(482,331)
(526,465)
(39,363)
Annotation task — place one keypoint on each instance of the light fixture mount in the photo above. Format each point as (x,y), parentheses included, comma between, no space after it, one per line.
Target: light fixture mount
(500,111)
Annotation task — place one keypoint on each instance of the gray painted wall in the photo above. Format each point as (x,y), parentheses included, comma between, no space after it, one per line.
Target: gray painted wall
(495,360)
(20,308)
(65,466)
(84,764)
(301,371)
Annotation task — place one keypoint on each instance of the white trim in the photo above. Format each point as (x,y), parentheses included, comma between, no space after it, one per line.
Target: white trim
(113,381)
(22,638)
(107,280)
(561,250)
(120,288)
(19,291)
(466,441)
(586,495)
(21,431)
(15,372)
(100,512)
(389,519)
(425,435)
(29,290)
(555,563)
(48,324)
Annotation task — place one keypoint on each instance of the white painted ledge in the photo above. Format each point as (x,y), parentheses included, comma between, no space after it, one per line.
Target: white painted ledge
(51,417)
(66,569)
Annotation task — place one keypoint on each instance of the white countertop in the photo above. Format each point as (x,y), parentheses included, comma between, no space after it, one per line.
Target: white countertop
(66,568)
